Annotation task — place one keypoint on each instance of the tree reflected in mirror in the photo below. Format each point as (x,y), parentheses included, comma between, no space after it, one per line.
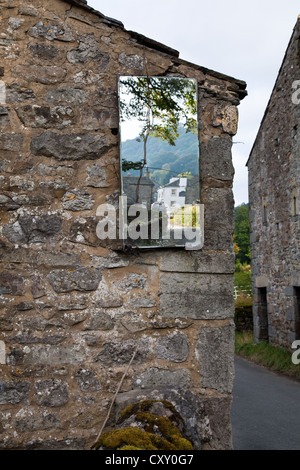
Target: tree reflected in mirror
(159,151)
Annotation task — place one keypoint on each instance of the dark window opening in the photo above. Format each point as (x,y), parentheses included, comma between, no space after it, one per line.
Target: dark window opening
(297,311)
(262,312)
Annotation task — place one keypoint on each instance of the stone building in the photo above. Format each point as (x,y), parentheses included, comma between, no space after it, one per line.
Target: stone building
(74,308)
(274,192)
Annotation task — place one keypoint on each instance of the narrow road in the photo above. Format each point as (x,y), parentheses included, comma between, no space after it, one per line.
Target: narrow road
(265,411)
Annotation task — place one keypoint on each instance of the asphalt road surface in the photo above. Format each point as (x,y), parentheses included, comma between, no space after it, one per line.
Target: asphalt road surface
(265,412)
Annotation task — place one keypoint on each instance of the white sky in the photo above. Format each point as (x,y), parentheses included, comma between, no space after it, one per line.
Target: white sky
(246,40)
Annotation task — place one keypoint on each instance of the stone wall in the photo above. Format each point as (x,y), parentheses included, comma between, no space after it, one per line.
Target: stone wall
(274,169)
(74,307)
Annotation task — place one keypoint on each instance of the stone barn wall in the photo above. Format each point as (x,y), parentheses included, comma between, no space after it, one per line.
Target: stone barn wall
(274,195)
(74,307)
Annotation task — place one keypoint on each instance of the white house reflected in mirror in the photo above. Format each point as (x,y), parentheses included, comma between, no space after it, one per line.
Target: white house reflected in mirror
(160,162)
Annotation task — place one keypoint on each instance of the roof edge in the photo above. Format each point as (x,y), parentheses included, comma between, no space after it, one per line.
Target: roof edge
(158,46)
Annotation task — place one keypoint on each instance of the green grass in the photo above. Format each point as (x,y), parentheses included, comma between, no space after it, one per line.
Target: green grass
(274,358)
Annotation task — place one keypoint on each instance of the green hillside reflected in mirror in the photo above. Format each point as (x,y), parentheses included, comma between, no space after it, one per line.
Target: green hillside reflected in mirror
(159,157)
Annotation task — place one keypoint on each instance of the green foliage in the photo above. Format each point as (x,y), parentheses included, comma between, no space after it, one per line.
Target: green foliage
(184,157)
(242,234)
(273,357)
(159,104)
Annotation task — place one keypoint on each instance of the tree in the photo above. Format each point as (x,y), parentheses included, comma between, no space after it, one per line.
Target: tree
(160,104)
(242,233)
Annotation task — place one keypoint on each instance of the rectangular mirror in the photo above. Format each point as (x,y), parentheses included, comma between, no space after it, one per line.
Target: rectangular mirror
(160,162)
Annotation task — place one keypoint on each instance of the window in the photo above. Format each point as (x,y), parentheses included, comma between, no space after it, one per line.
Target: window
(262,313)
(297,312)
(173,192)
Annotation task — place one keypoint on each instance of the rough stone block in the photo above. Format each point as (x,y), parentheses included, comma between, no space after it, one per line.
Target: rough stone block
(67,95)
(11,142)
(52,30)
(174,347)
(215,159)
(88,50)
(218,218)
(69,146)
(11,283)
(154,377)
(52,393)
(82,279)
(40,73)
(45,117)
(119,353)
(215,352)
(14,393)
(198,262)
(199,296)
(77,200)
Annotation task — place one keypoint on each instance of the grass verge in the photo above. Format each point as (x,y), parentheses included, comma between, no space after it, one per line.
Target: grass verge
(264,354)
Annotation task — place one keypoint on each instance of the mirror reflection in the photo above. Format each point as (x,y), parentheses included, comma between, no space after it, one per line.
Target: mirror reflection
(159,161)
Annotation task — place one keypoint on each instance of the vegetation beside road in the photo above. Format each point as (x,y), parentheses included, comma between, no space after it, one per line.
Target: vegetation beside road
(274,358)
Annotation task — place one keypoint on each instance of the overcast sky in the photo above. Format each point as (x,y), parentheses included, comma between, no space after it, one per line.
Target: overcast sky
(246,40)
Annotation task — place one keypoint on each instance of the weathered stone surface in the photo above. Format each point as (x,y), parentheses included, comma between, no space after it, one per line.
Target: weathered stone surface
(45,116)
(30,339)
(33,229)
(110,302)
(70,146)
(96,176)
(100,321)
(117,353)
(77,200)
(220,167)
(67,95)
(200,296)
(43,51)
(41,74)
(154,377)
(83,231)
(54,354)
(198,262)
(11,283)
(143,302)
(14,392)
(15,23)
(28,10)
(88,380)
(88,50)
(215,352)
(174,347)
(83,279)
(24,306)
(11,142)
(218,218)
(31,421)
(4,117)
(227,118)
(52,393)
(16,93)
(131,61)
(51,31)
(93,119)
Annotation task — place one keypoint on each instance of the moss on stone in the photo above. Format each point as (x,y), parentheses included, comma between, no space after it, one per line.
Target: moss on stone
(150,432)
